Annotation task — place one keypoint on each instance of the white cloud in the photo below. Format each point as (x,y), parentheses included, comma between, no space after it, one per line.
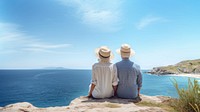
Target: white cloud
(48,46)
(12,40)
(102,14)
(149,20)
(44,47)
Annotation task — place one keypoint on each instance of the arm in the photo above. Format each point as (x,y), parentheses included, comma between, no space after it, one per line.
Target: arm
(91,89)
(115,80)
(93,83)
(139,81)
(115,90)
(138,91)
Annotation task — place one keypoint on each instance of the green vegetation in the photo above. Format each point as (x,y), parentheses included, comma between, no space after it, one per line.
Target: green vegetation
(188,66)
(163,105)
(189,99)
(111,105)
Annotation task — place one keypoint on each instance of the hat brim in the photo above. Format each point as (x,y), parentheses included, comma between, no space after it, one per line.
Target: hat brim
(99,57)
(132,53)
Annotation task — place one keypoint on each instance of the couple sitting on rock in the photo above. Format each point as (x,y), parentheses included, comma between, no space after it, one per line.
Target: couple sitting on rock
(122,79)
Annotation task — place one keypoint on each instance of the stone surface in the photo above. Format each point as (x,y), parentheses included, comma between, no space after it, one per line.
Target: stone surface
(84,104)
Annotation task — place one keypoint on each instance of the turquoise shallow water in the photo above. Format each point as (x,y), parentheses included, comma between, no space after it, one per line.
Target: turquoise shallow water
(44,88)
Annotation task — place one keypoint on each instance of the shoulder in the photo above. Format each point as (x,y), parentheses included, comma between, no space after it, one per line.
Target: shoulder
(95,65)
(136,66)
(117,63)
(114,65)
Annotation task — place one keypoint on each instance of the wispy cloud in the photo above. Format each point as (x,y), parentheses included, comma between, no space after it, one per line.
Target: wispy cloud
(13,40)
(44,47)
(149,20)
(103,14)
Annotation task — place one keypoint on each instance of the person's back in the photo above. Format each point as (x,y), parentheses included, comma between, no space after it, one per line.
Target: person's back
(129,79)
(129,75)
(103,74)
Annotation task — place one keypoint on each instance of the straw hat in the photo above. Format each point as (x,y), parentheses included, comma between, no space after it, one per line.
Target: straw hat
(104,54)
(125,51)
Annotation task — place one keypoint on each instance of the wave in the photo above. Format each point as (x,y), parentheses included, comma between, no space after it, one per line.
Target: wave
(42,74)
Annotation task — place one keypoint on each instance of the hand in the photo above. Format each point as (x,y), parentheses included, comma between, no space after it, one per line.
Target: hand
(89,95)
(115,93)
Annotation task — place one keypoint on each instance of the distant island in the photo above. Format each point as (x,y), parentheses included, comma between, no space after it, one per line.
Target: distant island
(183,67)
(55,68)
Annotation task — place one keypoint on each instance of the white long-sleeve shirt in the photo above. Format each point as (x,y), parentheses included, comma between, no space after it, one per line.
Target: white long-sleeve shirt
(104,76)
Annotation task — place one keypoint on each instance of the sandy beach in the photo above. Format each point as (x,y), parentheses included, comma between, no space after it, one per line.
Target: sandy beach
(188,75)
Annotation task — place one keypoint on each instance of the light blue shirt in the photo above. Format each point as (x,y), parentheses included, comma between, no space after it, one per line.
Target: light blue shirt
(130,79)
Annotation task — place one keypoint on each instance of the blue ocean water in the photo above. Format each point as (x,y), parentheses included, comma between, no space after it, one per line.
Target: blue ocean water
(45,88)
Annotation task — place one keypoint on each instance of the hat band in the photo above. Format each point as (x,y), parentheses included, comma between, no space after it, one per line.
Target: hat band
(104,56)
(125,52)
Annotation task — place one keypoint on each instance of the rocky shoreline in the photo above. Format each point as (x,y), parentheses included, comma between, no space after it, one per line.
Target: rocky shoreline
(84,104)
(183,67)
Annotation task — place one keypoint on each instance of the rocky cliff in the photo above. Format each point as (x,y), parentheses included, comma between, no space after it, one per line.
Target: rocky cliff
(183,67)
(84,104)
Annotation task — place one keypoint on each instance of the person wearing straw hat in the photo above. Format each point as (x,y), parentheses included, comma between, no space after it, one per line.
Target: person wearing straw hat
(104,75)
(130,77)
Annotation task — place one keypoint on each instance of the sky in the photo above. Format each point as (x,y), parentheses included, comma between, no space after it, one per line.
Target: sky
(65,33)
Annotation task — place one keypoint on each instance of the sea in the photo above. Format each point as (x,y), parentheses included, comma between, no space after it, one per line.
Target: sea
(50,88)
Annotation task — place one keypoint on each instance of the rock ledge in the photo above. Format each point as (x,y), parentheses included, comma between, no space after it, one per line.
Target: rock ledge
(84,104)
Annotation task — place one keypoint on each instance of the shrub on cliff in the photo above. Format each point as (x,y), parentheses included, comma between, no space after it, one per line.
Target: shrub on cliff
(189,98)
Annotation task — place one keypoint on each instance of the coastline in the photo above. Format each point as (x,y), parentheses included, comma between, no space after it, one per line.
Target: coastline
(187,75)
(181,75)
